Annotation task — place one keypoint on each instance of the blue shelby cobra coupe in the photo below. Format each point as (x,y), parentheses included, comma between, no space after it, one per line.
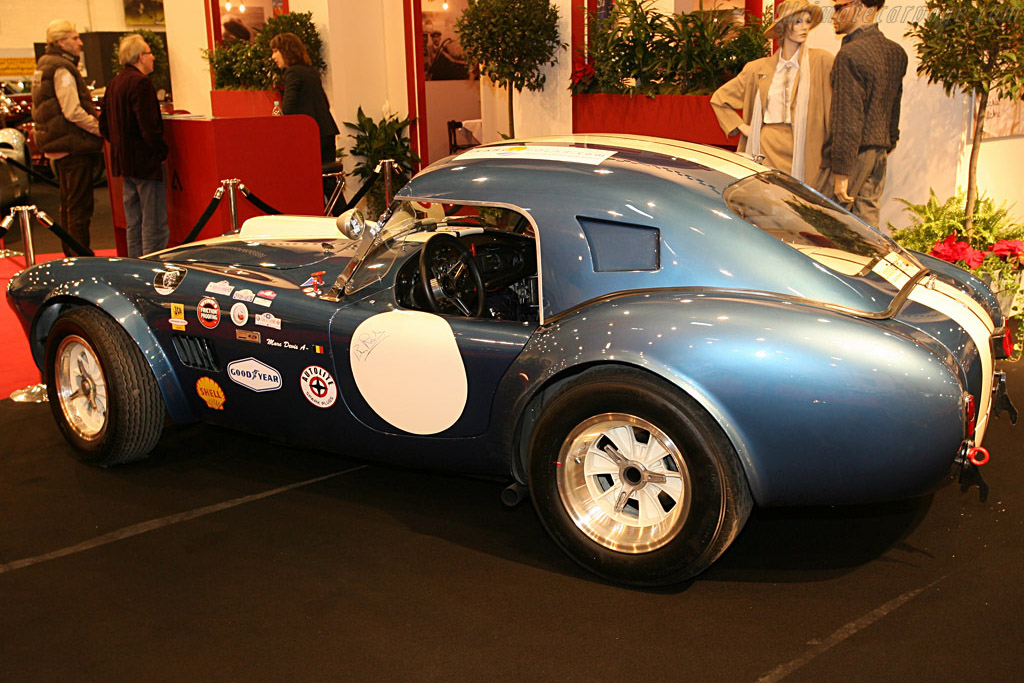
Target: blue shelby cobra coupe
(650,335)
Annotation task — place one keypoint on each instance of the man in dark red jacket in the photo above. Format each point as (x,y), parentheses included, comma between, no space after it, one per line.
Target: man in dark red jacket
(131,122)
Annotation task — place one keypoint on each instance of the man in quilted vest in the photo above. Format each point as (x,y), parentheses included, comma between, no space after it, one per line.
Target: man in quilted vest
(67,128)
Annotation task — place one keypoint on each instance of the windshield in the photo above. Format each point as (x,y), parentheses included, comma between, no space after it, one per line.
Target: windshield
(789,211)
(409,223)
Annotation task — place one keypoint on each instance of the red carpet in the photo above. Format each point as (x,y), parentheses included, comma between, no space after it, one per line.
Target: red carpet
(17,370)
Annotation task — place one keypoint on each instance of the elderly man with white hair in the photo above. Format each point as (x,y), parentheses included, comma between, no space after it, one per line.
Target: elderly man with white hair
(131,122)
(67,128)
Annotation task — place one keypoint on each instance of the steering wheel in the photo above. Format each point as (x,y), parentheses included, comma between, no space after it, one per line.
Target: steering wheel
(450,277)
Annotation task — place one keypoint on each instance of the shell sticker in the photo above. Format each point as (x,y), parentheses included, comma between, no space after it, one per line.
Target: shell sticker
(387,357)
(210,392)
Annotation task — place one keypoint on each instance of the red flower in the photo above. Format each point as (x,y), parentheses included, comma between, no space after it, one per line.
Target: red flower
(951,250)
(1005,248)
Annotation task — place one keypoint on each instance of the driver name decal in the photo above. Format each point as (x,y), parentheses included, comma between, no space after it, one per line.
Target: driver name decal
(318,386)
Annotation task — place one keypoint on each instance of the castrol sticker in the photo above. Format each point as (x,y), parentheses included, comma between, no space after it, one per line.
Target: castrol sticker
(318,386)
(210,392)
(208,312)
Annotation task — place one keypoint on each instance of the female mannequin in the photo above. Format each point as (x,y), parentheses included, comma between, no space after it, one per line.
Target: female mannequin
(784,98)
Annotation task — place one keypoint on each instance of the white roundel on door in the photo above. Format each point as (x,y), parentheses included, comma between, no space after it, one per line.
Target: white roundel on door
(408,368)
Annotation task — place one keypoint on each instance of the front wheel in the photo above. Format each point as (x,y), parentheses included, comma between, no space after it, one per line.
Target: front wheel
(102,392)
(634,480)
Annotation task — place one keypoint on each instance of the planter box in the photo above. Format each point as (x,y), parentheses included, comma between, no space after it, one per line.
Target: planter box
(243,103)
(678,117)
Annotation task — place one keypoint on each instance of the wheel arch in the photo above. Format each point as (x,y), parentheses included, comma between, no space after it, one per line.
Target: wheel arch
(127,315)
(533,405)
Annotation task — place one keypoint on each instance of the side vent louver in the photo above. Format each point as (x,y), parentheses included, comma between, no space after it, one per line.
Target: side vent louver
(196,352)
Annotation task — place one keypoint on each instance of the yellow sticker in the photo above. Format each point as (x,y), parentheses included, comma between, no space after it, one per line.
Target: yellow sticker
(210,392)
(178,321)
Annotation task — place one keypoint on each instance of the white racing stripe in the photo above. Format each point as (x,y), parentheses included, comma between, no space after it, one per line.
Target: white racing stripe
(959,307)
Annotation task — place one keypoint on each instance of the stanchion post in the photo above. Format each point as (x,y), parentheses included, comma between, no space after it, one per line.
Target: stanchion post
(386,168)
(232,185)
(5,226)
(26,232)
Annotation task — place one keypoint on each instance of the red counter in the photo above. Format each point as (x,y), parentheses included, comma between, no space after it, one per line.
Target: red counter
(276,157)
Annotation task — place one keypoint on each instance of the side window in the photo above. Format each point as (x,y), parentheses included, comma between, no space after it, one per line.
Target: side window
(618,247)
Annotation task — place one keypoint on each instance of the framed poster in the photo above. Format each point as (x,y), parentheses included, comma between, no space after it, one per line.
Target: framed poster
(144,12)
(1004,117)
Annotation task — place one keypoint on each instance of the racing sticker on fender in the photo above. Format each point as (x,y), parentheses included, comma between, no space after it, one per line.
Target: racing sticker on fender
(247,336)
(578,155)
(318,386)
(210,392)
(243,295)
(223,287)
(208,312)
(254,374)
(239,314)
(178,321)
(167,280)
(267,320)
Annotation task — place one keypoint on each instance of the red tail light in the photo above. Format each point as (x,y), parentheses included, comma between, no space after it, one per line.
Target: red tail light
(1008,338)
(970,415)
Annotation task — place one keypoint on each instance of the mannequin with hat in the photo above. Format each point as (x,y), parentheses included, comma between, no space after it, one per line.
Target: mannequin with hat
(784,99)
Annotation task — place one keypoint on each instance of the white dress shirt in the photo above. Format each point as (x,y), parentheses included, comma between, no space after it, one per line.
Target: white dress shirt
(780,92)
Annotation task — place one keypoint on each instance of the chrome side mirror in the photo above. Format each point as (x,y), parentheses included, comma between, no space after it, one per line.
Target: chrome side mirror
(351,224)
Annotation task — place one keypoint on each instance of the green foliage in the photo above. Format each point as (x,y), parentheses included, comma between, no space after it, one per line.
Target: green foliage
(510,40)
(935,221)
(379,140)
(973,45)
(242,65)
(161,76)
(638,50)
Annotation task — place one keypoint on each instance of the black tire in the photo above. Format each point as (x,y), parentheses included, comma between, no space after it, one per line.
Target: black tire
(102,391)
(686,507)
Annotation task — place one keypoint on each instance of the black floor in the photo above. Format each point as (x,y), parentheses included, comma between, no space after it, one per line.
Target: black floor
(198,564)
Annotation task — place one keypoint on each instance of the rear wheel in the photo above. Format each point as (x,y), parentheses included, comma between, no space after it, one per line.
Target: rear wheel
(634,480)
(102,392)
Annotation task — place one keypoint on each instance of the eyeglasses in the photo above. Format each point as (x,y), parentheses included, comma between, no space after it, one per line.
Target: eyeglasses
(147,52)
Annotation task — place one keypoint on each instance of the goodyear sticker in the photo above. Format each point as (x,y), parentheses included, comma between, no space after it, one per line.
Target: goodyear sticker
(210,392)
(254,374)
(318,386)
(239,314)
(167,280)
(178,321)
(208,312)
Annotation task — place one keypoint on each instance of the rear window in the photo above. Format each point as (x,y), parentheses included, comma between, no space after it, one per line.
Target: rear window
(793,213)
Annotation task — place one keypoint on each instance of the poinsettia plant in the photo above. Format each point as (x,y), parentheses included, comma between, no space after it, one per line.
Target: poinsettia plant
(992,248)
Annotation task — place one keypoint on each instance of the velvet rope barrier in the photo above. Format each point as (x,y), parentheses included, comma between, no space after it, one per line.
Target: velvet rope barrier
(204,219)
(31,171)
(63,235)
(257,202)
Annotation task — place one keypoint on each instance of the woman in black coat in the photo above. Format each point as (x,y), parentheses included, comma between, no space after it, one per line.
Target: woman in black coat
(303,92)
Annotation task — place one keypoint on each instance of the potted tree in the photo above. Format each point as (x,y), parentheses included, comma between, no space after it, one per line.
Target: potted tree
(376,141)
(645,72)
(511,41)
(246,80)
(974,47)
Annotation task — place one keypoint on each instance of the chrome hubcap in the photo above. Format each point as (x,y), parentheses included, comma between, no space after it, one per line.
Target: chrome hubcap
(624,483)
(81,387)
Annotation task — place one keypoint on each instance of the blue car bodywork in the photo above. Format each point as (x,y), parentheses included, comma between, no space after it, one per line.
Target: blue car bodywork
(814,359)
